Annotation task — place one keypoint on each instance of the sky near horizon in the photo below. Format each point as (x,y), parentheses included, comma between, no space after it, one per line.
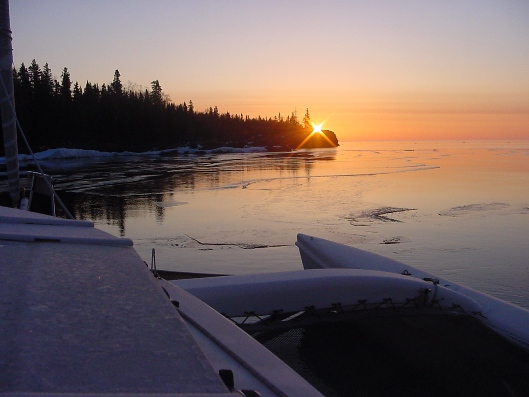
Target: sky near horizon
(371,70)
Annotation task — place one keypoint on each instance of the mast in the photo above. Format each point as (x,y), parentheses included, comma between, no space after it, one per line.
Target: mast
(7,103)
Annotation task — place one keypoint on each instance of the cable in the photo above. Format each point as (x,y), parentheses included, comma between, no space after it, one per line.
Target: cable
(19,128)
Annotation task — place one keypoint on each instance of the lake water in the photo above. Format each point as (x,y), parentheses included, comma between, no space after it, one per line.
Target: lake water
(457,209)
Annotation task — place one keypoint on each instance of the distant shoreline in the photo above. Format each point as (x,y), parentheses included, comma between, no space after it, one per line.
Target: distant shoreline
(71,154)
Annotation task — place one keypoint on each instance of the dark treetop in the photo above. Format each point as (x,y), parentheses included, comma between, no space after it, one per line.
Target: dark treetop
(110,117)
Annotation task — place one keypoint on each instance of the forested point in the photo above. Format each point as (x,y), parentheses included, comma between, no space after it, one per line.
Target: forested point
(56,113)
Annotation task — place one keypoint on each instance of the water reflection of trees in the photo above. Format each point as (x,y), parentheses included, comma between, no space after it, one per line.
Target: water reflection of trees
(114,191)
(113,210)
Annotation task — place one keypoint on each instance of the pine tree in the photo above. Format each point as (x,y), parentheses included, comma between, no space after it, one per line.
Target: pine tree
(111,117)
(306,120)
(34,76)
(66,85)
(156,92)
(77,91)
(116,86)
(25,83)
(47,80)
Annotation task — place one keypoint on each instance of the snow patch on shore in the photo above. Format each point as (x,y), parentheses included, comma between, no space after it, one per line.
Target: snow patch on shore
(64,153)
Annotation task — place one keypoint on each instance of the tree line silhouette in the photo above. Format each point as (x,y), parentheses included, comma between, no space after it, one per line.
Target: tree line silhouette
(111,117)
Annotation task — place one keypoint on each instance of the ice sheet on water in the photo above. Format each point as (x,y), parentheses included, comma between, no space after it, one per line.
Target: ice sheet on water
(474,209)
(395,240)
(165,204)
(187,241)
(377,214)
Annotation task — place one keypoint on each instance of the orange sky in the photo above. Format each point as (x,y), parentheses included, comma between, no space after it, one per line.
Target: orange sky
(406,117)
(372,70)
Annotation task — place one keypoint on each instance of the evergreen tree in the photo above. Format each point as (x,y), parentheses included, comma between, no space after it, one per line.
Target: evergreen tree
(294,118)
(117,87)
(306,120)
(77,92)
(66,85)
(47,80)
(156,92)
(34,76)
(25,83)
(111,117)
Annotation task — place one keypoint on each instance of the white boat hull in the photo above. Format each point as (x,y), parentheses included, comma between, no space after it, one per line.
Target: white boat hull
(295,291)
(508,320)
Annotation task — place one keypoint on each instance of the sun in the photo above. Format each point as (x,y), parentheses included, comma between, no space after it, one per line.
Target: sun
(316,129)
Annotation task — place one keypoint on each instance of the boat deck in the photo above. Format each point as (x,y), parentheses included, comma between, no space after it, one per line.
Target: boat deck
(80,313)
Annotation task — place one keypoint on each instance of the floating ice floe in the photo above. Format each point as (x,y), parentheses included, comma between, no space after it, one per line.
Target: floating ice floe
(165,204)
(474,209)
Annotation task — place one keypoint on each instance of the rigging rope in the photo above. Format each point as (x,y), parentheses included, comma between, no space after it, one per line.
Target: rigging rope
(48,183)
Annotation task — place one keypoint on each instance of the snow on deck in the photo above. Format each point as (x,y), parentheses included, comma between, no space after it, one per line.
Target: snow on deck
(81,313)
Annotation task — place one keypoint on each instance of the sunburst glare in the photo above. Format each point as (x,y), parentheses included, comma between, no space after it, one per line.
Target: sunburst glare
(317,128)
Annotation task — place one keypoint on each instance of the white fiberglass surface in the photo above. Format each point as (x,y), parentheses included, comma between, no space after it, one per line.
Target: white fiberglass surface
(456,209)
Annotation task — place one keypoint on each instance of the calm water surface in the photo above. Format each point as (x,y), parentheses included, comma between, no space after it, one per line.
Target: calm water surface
(457,209)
